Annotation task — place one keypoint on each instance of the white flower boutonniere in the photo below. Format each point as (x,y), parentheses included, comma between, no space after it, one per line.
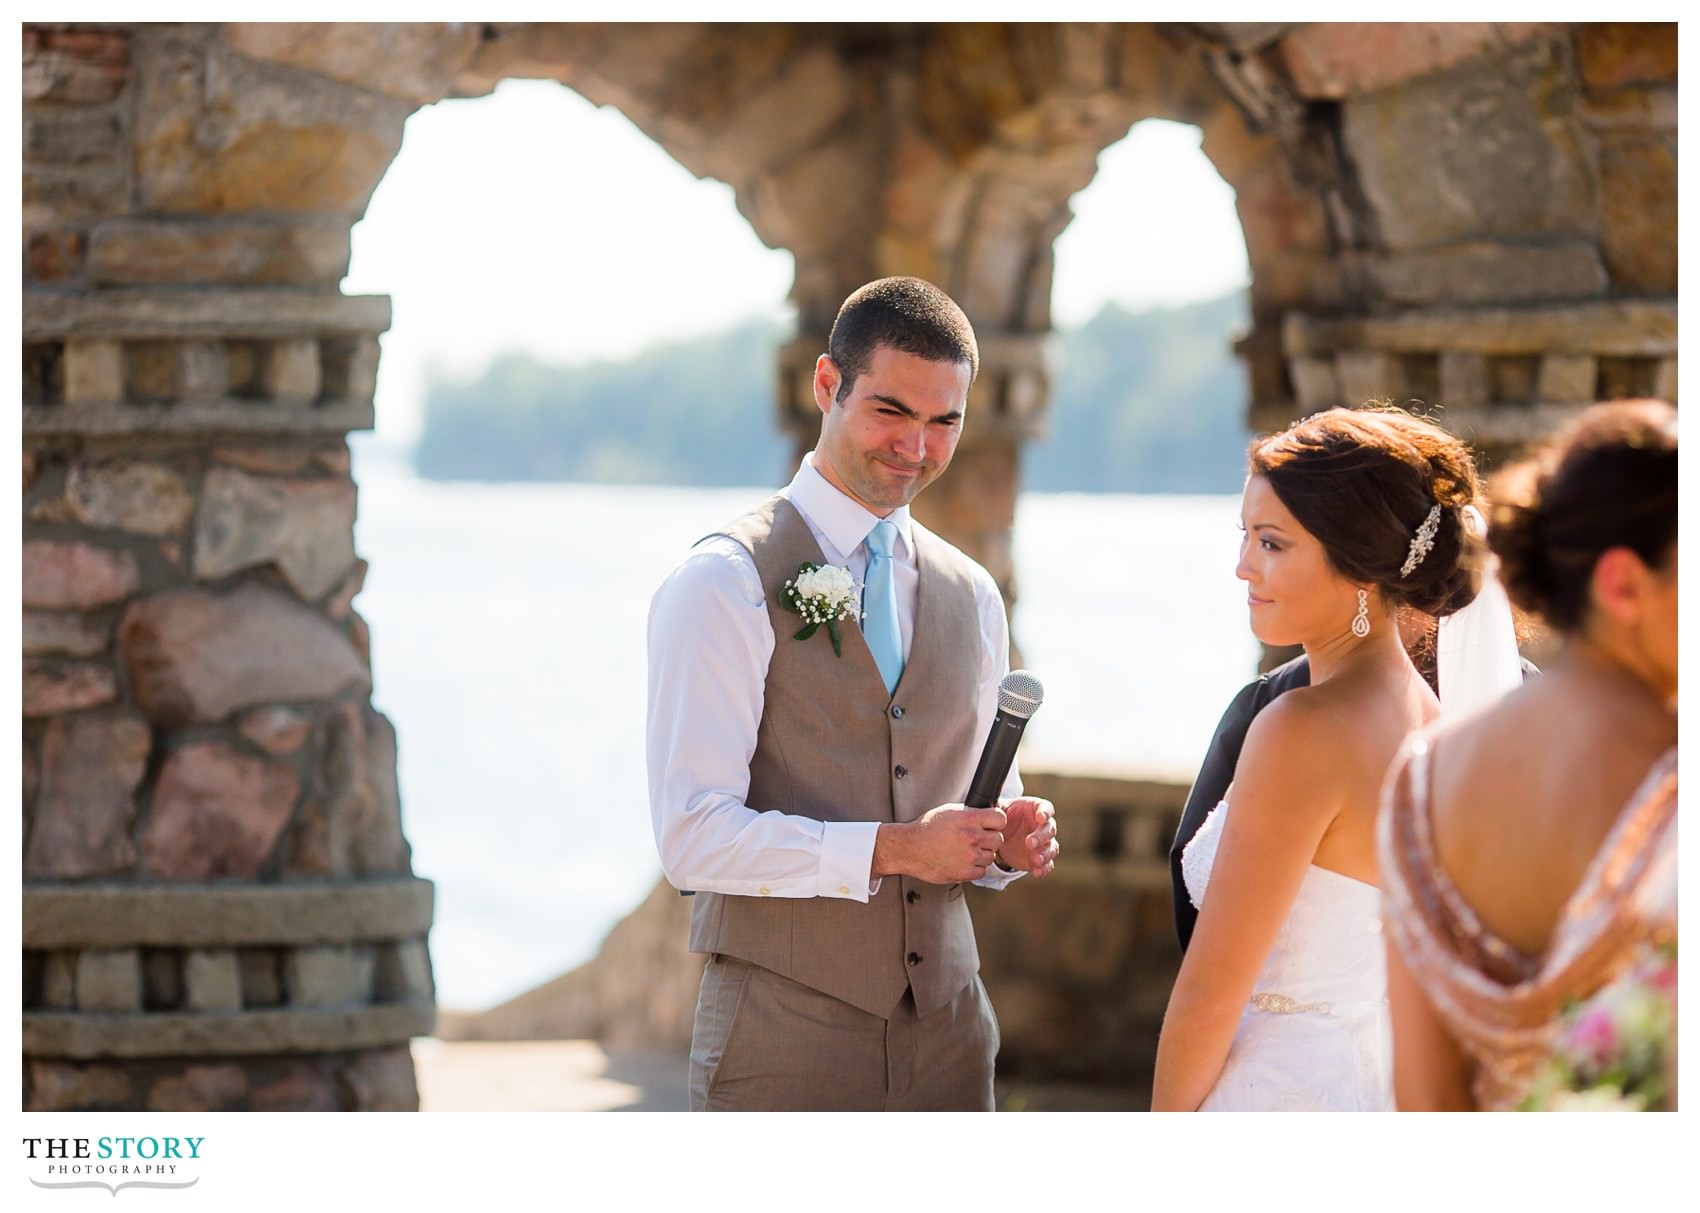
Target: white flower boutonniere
(821,594)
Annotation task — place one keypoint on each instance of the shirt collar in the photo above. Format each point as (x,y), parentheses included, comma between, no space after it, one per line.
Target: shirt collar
(839,517)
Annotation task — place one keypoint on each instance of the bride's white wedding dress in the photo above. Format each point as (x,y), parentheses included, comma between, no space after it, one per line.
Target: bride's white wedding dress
(1315,1035)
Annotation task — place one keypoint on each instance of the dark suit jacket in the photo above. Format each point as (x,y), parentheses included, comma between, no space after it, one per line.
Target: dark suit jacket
(1218,770)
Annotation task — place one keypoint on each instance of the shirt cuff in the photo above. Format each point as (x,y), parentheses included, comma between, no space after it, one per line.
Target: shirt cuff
(847,859)
(997,878)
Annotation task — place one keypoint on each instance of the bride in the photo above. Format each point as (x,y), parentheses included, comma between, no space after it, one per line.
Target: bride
(1280,1003)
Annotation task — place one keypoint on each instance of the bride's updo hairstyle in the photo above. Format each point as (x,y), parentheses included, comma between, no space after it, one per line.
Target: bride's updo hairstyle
(1607,481)
(1363,481)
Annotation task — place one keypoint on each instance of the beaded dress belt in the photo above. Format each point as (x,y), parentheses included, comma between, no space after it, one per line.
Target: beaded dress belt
(1281,1004)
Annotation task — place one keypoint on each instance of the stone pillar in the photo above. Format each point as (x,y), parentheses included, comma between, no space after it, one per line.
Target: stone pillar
(219,910)
(210,806)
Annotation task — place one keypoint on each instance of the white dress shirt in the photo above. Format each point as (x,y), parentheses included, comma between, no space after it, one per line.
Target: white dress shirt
(710,640)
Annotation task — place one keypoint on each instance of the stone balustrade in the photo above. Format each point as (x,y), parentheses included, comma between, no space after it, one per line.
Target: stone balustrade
(1504,376)
(262,362)
(266,986)
(1079,965)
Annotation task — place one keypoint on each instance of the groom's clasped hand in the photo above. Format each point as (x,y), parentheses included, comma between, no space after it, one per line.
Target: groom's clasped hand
(1030,836)
(953,843)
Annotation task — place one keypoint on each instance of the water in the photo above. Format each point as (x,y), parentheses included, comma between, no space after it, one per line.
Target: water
(508,648)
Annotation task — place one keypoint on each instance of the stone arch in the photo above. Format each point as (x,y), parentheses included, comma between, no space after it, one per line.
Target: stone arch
(219,909)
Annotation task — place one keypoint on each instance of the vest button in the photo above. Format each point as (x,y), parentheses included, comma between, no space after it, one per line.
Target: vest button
(896,712)
(901,771)
(914,959)
(912,897)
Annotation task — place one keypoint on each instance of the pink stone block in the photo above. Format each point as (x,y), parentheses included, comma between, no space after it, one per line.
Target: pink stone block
(194,656)
(1341,58)
(90,769)
(76,576)
(64,1086)
(201,1088)
(216,813)
(302,1088)
(383,1080)
(53,688)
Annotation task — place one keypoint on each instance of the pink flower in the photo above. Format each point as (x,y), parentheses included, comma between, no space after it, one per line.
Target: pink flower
(1592,1039)
(1663,977)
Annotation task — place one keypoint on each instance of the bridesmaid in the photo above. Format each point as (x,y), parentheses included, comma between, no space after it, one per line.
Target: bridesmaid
(1525,851)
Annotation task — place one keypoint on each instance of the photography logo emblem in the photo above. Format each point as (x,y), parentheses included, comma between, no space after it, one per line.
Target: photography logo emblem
(113,1163)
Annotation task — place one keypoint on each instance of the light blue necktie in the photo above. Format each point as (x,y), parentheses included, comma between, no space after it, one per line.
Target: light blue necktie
(879,604)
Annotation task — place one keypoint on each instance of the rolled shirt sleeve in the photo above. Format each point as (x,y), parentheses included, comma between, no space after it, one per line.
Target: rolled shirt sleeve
(709,642)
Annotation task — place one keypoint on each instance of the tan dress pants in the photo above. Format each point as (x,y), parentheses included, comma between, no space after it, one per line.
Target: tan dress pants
(763,1042)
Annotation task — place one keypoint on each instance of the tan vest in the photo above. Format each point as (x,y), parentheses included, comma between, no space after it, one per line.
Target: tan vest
(834,746)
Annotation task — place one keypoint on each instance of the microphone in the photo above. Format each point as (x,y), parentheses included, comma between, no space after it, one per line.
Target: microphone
(1019,696)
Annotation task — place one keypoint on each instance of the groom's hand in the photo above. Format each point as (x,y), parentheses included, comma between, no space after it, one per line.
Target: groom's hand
(1030,836)
(946,845)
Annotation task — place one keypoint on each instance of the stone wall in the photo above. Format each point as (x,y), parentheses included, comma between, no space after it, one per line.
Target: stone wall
(1378,169)
(1520,266)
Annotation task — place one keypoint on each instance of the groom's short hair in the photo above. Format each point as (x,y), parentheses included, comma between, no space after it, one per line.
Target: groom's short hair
(910,315)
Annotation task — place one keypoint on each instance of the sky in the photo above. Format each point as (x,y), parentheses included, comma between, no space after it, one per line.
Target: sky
(533,220)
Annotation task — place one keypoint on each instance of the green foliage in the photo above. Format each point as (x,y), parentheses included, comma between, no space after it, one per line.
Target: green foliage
(1148,402)
(697,412)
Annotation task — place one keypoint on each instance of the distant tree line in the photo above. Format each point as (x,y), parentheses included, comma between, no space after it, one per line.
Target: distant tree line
(1142,402)
(694,412)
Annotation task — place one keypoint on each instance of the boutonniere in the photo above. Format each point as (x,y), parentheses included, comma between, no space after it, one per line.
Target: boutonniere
(821,594)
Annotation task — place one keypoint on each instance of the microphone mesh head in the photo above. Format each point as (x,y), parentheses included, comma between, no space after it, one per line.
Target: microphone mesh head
(1020,694)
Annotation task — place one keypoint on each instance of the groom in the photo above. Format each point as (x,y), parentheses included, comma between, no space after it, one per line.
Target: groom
(805,783)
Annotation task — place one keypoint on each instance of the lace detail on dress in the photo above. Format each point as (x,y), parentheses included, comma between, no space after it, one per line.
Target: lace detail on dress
(1199,855)
(1280,1004)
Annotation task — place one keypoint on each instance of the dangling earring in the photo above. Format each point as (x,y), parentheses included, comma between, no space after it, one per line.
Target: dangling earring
(1360,621)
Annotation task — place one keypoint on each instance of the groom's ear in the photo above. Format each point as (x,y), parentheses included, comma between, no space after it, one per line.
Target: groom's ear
(827,379)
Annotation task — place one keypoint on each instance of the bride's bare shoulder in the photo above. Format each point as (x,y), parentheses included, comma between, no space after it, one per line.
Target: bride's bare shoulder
(1295,737)
(1304,709)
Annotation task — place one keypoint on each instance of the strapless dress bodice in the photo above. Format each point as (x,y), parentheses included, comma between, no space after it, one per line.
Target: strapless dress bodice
(1328,950)
(1315,1034)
